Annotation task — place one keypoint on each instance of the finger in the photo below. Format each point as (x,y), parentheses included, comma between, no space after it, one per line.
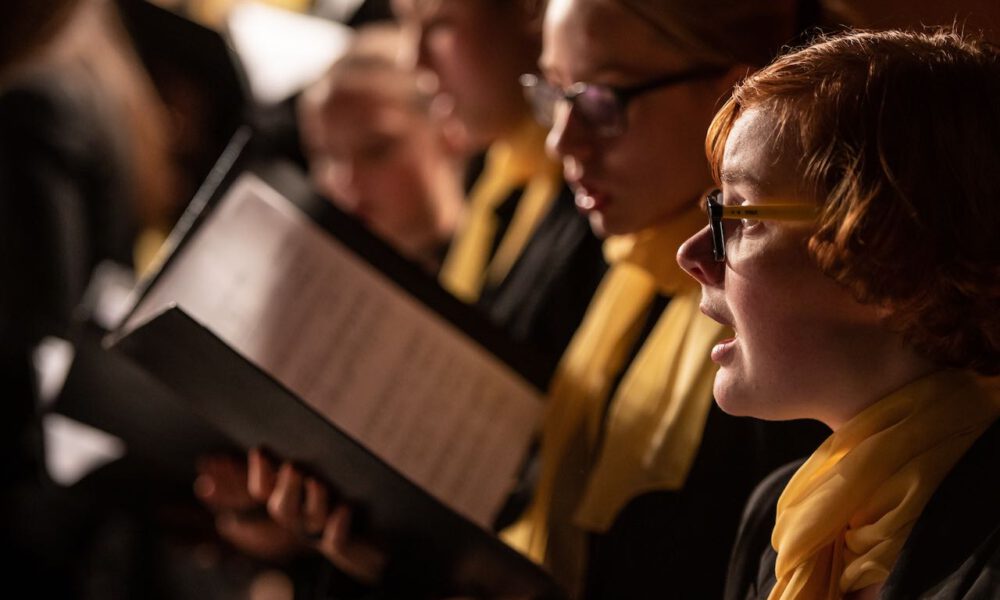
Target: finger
(315,508)
(337,532)
(359,559)
(222,484)
(285,503)
(205,490)
(262,538)
(260,475)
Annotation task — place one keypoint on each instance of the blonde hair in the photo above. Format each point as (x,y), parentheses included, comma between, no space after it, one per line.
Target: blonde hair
(721,32)
(372,63)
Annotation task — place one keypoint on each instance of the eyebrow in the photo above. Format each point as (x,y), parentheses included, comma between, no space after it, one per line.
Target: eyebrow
(551,74)
(735,176)
(743,177)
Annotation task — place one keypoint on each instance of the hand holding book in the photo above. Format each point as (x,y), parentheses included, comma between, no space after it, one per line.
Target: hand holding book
(241,520)
(279,513)
(302,504)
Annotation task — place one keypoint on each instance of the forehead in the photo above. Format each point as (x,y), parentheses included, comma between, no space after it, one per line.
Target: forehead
(584,39)
(754,156)
(423,9)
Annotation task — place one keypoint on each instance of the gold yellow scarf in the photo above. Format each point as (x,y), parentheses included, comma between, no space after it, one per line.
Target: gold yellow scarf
(655,423)
(511,163)
(845,515)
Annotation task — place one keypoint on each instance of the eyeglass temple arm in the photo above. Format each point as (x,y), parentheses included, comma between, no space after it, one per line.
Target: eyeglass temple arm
(770,212)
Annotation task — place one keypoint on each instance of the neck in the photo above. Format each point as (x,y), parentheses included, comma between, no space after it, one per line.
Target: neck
(871,376)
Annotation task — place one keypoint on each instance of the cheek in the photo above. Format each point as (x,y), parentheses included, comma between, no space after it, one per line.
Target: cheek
(459,57)
(398,189)
(444,54)
(661,156)
(791,318)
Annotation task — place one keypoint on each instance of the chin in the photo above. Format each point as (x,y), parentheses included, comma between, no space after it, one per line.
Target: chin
(604,227)
(732,399)
(733,408)
(597,225)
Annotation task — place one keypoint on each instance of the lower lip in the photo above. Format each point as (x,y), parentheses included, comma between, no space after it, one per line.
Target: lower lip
(723,351)
(587,203)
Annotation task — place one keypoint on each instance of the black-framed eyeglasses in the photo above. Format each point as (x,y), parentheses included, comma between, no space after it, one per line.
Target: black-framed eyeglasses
(717,212)
(601,106)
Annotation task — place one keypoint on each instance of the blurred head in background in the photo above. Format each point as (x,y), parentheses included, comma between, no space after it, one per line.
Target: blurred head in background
(26,26)
(83,45)
(374,150)
(630,87)
(477,49)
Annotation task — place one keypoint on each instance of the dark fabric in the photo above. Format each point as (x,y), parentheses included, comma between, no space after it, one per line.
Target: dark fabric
(504,215)
(953,552)
(677,544)
(62,210)
(751,569)
(542,300)
(64,196)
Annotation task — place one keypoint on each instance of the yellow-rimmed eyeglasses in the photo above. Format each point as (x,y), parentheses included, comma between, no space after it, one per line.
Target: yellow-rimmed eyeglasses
(758,212)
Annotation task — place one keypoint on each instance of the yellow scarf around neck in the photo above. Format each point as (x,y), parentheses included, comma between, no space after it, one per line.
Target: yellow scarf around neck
(654,427)
(513,162)
(845,515)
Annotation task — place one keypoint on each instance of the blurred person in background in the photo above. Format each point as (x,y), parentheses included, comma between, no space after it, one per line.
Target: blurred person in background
(521,252)
(84,166)
(375,152)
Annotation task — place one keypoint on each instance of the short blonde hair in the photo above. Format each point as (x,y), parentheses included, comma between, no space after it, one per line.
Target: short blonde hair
(899,138)
(372,63)
(721,32)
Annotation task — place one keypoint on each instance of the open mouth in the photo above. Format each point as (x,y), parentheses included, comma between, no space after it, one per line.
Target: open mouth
(723,350)
(588,199)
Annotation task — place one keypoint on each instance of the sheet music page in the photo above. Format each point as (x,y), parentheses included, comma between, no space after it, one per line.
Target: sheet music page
(386,369)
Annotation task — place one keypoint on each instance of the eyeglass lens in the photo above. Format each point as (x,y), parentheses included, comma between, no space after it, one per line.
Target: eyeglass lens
(714,208)
(597,105)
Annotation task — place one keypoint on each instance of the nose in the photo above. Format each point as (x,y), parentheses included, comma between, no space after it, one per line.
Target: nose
(569,136)
(695,256)
(410,54)
(340,183)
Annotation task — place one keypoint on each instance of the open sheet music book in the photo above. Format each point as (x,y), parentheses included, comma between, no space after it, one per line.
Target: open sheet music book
(281,335)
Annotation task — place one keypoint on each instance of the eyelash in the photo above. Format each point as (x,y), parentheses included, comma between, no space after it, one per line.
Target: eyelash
(745,223)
